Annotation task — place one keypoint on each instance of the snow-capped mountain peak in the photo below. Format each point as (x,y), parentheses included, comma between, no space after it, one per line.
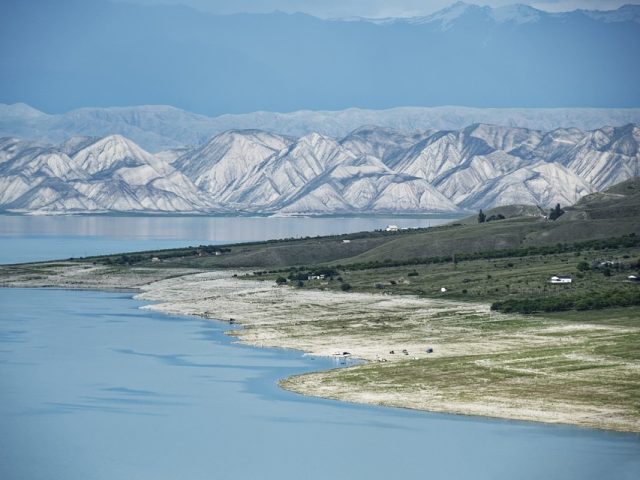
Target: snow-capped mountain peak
(451,13)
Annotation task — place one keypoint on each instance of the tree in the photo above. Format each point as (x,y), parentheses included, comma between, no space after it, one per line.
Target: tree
(281,280)
(481,217)
(556,212)
(345,287)
(583,266)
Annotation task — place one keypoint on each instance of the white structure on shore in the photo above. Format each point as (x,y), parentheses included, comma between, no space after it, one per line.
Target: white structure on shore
(560,279)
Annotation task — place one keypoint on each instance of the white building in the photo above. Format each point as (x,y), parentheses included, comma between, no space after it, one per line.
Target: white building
(560,279)
(391,228)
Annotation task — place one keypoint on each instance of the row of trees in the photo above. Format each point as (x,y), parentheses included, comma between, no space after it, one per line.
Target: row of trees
(482,217)
(133,258)
(626,241)
(554,214)
(592,301)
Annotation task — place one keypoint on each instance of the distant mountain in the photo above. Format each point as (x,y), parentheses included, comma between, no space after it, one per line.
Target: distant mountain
(516,14)
(110,174)
(65,54)
(156,128)
(371,170)
(217,166)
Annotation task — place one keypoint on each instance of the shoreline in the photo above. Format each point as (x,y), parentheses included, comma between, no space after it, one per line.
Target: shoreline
(279,317)
(483,363)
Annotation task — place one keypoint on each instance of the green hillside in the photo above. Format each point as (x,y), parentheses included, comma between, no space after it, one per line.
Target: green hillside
(613,213)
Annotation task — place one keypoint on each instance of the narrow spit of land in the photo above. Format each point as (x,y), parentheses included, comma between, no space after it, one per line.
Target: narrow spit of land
(379,296)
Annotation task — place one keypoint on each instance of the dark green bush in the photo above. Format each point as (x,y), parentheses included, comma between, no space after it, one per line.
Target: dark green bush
(593,301)
(583,266)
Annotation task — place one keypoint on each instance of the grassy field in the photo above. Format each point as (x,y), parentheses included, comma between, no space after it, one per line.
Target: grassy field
(570,369)
(493,279)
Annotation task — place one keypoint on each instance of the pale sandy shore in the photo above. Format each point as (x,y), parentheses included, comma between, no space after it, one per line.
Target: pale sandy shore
(473,370)
(317,322)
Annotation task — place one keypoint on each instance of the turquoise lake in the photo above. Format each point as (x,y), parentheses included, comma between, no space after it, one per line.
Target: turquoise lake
(93,387)
(37,238)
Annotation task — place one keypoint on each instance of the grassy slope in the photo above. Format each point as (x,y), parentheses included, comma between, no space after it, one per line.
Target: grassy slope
(494,279)
(597,216)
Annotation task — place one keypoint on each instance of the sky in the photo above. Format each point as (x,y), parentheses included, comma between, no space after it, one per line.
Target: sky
(58,55)
(373,8)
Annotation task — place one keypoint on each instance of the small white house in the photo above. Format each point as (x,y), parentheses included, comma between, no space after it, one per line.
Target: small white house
(633,278)
(560,279)
(155,259)
(391,228)
(346,241)
(315,277)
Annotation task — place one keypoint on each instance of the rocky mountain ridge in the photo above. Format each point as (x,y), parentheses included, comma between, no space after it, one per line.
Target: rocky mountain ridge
(370,170)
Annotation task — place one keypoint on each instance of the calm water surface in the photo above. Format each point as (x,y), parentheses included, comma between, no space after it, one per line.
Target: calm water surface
(92,387)
(34,238)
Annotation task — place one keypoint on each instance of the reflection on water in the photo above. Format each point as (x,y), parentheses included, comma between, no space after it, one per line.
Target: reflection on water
(21,237)
(151,396)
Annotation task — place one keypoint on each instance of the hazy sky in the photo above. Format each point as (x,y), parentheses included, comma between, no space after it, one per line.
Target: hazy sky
(373,8)
(57,55)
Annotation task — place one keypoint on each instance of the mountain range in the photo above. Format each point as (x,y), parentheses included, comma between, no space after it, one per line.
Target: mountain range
(66,54)
(370,170)
(159,127)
